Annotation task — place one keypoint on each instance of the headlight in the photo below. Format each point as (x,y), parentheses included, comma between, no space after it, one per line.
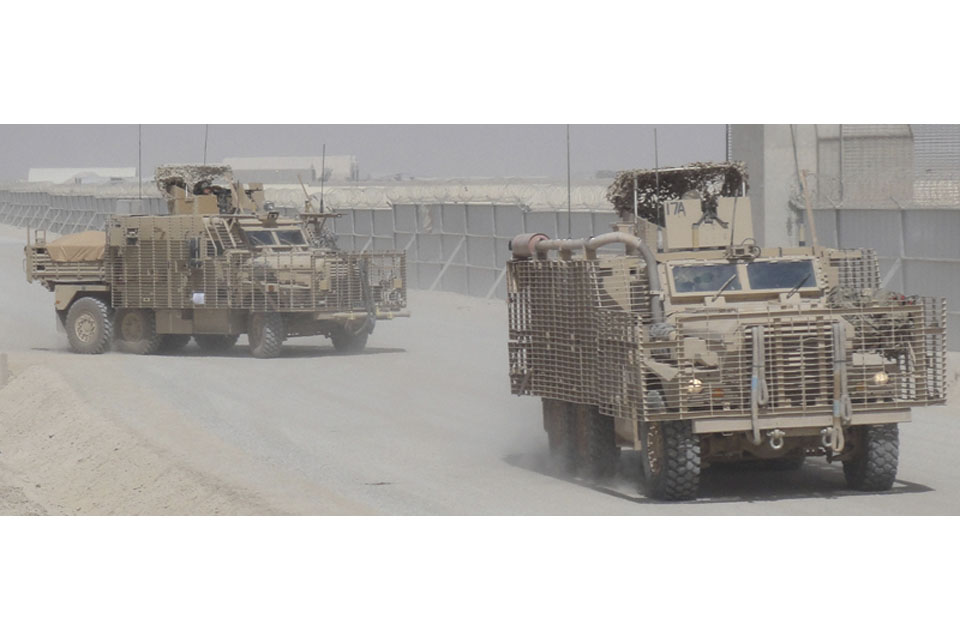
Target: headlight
(695,385)
(881,378)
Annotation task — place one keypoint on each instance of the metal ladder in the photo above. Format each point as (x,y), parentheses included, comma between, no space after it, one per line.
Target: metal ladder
(220,233)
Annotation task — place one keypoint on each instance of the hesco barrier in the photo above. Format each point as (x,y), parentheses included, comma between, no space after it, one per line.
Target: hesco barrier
(462,248)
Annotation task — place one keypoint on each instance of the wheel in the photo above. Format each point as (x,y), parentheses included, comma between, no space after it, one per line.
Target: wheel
(172,342)
(671,460)
(560,427)
(875,458)
(344,341)
(265,334)
(215,343)
(136,331)
(89,325)
(598,453)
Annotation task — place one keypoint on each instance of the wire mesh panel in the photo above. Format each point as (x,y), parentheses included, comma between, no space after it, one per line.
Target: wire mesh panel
(575,328)
(893,356)
(857,269)
(191,262)
(553,335)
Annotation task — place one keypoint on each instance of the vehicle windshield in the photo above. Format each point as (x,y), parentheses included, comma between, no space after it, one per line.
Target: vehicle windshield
(260,238)
(781,275)
(291,237)
(705,278)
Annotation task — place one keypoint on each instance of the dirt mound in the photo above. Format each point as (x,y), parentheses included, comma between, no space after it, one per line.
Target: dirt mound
(59,455)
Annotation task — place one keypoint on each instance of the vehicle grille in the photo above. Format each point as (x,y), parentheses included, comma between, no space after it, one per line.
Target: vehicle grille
(905,342)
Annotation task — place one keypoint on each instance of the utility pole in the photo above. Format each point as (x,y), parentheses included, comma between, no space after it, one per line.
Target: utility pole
(206,130)
(569,202)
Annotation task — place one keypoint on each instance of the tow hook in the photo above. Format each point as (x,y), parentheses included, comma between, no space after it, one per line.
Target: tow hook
(832,438)
(776,439)
(826,437)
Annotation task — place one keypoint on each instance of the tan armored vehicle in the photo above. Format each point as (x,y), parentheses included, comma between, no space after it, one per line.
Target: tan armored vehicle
(221,264)
(695,346)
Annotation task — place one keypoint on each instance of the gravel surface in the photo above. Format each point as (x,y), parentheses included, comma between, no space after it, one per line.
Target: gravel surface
(421,423)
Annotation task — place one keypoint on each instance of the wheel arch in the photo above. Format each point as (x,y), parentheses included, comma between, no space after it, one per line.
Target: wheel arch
(67,294)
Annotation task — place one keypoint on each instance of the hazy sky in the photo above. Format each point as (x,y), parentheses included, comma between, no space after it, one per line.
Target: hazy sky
(420,150)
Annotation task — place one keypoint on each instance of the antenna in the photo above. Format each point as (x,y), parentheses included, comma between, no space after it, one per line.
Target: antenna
(656,174)
(733,223)
(140,161)
(307,204)
(569,207)
(323,174)
(811,223)
(206,129)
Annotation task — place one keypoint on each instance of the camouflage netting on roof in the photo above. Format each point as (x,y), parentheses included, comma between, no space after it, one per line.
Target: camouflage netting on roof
(188,175)
(709,180)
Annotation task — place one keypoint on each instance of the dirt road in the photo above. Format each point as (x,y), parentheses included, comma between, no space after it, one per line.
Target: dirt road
(421,423)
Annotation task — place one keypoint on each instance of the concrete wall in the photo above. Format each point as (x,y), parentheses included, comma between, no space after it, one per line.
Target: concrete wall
(918,251)
(460,248)
(775,155)
(463,247)
(918,248)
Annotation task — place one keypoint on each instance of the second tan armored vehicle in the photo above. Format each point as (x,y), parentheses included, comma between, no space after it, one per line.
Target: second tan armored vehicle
(698,347)
(221,264)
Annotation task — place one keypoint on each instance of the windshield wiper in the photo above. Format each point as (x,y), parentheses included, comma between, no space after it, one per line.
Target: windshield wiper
(798,285)
(725,285)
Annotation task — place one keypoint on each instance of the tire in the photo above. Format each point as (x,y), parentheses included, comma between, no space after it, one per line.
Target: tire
(89,325)
(265,334)
(671,460)
(136,331)
(346,342)
(875,459)
(173,342)
(215,343)
(598,453)
(561,433)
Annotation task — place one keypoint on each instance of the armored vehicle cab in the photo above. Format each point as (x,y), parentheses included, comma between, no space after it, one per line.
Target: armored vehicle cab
(221,264)
(697,346)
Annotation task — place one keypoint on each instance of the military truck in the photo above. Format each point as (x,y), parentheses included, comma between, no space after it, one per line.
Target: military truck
(222,263)
(695,346)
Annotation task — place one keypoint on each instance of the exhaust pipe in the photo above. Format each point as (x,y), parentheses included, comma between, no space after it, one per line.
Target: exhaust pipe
(537,245)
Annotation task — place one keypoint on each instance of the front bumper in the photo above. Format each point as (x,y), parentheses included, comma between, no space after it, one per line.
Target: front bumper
(797,424)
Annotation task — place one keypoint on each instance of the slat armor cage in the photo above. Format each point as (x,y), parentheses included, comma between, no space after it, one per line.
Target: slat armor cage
(580,332)
(158,269)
